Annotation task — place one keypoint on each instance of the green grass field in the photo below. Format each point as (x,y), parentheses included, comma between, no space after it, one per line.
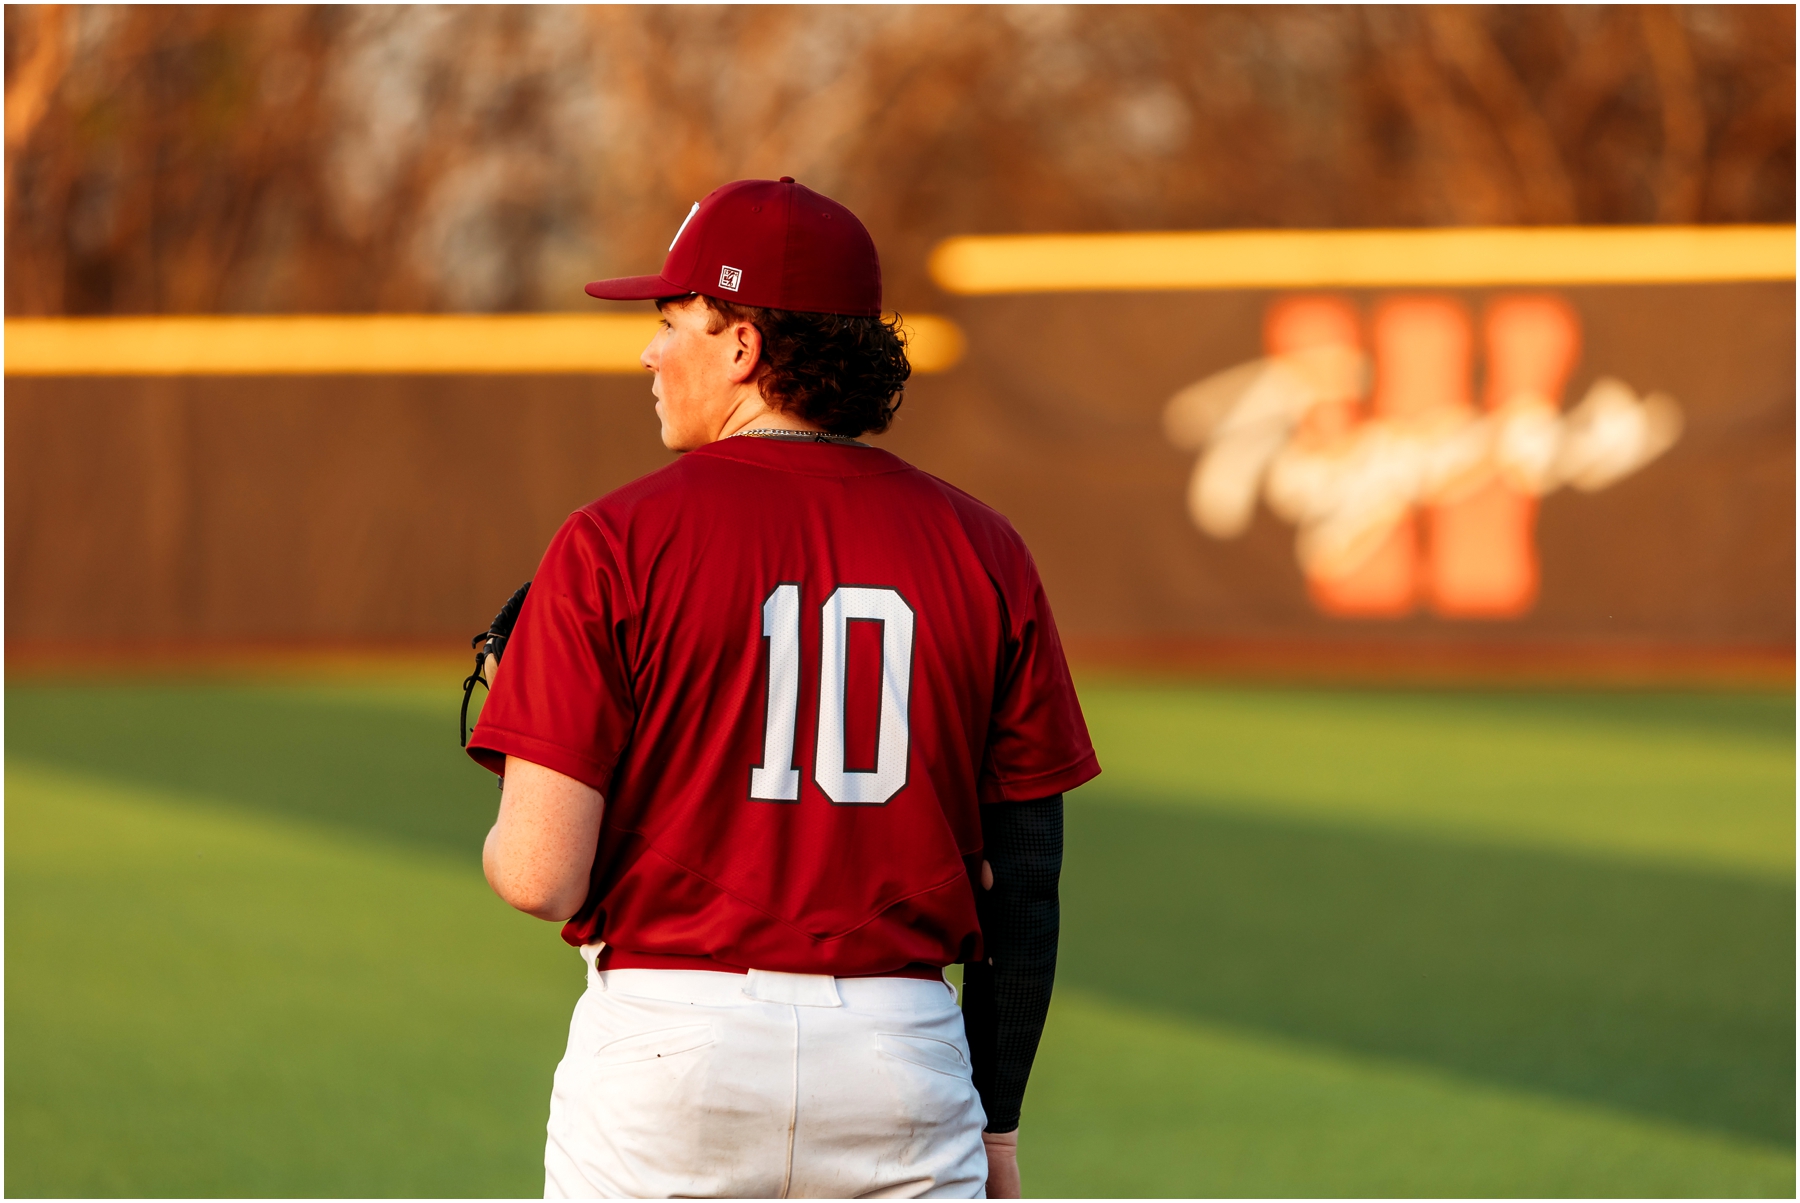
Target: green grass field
(1316,943)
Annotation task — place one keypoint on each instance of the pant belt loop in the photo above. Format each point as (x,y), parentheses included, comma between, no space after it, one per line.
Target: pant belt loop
(596,979)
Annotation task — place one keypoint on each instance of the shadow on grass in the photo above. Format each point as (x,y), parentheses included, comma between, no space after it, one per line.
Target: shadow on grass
(371,768)
(1659,991)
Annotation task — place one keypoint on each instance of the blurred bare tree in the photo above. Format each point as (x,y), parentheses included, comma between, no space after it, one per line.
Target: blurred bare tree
(287,159)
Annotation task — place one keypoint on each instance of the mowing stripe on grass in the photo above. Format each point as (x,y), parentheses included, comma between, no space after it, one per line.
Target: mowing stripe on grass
(1665,992)
(1687,779)
(1128,1103)
(306,752)
(204,1002)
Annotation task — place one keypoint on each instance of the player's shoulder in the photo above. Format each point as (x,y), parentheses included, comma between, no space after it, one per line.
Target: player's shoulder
(969,507)
(653,500)
(985,526)
(987,534)
(664,482)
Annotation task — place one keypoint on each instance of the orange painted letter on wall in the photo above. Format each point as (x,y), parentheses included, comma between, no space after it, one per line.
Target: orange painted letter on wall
(1482,557)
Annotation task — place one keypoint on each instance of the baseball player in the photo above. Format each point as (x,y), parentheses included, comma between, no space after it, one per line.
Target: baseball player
(783,731)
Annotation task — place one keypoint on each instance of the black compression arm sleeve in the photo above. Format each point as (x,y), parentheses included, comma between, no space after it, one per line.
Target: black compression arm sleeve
(1006,998)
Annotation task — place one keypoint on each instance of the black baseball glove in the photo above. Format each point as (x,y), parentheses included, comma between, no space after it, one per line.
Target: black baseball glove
(491,642)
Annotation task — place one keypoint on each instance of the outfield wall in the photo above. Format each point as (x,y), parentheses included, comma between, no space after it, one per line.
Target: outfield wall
(303,509)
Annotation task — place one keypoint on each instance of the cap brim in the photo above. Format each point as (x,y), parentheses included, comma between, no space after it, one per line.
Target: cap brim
(636,288)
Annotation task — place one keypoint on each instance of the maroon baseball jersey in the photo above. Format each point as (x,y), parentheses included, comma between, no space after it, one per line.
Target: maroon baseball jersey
(793,671)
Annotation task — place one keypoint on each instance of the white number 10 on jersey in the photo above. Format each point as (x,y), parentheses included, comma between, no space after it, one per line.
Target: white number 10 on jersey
(775,779)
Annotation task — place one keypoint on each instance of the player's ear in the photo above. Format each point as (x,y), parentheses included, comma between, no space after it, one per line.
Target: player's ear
(746,351)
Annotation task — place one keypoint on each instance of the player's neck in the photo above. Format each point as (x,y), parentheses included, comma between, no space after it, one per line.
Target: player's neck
(753,413)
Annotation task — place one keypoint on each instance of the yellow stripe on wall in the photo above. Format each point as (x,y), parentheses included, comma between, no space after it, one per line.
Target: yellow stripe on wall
(1015,263)
(449,344)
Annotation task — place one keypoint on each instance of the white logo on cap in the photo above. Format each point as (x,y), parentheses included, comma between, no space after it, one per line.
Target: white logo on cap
(730,278)
(684,222)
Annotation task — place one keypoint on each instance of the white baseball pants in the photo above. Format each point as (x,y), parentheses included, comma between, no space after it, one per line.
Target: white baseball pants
(761,1086)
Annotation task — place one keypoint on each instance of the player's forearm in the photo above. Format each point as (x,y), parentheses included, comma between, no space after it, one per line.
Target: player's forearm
(539,895)
(540,852)
(1007,999)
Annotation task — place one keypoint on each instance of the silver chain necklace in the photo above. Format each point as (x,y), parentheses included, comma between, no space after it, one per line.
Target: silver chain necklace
(799,436)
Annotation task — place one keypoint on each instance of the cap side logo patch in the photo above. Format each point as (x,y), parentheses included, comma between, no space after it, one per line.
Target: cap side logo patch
(730,278)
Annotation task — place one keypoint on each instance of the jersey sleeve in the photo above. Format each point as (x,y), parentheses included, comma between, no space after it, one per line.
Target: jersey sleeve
(1038,742)
(563,697)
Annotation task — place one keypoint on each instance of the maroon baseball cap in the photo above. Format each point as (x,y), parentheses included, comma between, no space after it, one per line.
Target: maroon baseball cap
(773,244)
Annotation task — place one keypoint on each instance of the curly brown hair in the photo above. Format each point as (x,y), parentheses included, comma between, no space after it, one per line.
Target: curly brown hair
(845,375)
